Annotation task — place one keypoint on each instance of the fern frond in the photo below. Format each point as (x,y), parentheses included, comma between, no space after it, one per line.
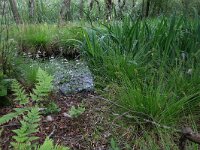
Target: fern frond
(59,147)
(29,125)
(19,92)
(10,116)
(43,87)
(21,146)
(48,145)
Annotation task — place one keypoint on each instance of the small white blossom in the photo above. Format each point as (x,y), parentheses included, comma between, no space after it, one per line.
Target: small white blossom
(189,71)
(37,56)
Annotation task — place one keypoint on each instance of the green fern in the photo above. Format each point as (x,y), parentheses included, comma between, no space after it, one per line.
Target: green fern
(75,112)
(43,86)
(29,125)
(22,146)
(10,116)
(19,92)
(48,145)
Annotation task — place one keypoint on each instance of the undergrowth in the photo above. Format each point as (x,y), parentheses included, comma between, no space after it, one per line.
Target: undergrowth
(152,67)
(29,108)
(47,40)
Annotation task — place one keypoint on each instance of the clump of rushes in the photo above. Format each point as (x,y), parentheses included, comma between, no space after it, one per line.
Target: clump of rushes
(48,39)
(154,63)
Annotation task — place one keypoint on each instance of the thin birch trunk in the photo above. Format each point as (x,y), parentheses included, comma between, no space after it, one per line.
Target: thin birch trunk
(13,5)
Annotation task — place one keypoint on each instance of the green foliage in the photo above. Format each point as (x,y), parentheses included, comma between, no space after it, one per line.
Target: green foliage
(51,108)
(3,85)
(29,73)
(3,88)
(29,125)
(48,39)
(44,80)
(48,145)
(19,92)
(34,38)
(18,111)
(26,69)
(76,112)
(150,60)
(43,86)
(148,141)
(24,137)
(114,145)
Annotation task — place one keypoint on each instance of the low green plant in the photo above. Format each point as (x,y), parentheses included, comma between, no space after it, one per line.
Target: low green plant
(17,112)
(26,69)
(151,63)
(28,72)
(76,112)
(43,85)
(25,138)
(44,80)
(51,108)
(48,145)
(3,85)
(29,125)
(48,39)
(35,38)
(114,145)
(20,93)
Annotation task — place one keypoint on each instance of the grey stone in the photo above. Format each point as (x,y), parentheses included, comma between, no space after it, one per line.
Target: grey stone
(66,115)
(49,118)
(72,77)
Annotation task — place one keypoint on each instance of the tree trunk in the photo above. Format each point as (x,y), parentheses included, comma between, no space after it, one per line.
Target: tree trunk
(92,4)
(81,9)
(185,6)
(133,5)
(133,9)
(31,5)
(65,12)
(147,8)
(13,5)
(108,9)
(121,7)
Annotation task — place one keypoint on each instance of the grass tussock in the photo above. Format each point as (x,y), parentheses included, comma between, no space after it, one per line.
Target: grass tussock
(154,63)
(48,39)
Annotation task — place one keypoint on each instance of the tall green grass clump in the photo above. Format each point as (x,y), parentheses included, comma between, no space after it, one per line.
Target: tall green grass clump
(154,63)
(47,39)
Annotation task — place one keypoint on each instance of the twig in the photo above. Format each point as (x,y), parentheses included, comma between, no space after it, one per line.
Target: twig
(52,132)
(9,125)
(119,116)
(141,113)
(188,134)
(110,101)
